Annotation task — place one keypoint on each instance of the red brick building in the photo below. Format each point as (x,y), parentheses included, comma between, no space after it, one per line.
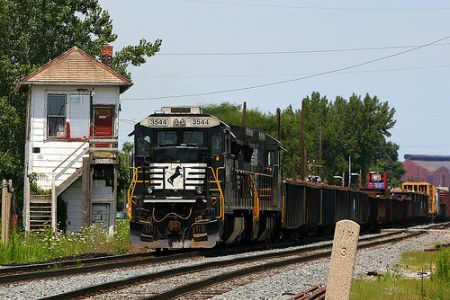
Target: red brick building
(434,169)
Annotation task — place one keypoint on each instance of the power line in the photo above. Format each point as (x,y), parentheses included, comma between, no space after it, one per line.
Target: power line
(291,74)
(290,80)
(292,51)
(316,7)
(425,146)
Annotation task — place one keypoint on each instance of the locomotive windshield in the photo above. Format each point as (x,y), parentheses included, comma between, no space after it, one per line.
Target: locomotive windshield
(166,138)
(177,154)
(180,145)
(171,138)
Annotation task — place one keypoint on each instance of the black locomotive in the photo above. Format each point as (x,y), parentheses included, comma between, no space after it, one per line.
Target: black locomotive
(198,182)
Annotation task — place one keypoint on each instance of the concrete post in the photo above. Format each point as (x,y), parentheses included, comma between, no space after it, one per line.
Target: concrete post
(343,255)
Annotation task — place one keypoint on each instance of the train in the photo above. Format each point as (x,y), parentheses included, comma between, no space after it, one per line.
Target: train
(438,200)
(199,182)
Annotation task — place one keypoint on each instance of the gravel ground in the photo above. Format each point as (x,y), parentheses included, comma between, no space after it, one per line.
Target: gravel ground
(297,278)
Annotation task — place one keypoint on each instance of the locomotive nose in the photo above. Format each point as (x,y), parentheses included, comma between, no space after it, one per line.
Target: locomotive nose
(174,226)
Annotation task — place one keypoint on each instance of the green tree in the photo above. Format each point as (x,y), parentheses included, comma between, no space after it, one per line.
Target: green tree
(334,130)
(32,32)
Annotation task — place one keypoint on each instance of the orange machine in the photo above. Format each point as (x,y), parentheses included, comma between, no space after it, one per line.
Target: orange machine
(425,188)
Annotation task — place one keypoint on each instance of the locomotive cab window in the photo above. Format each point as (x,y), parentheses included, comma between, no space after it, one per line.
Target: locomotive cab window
(144,144)
(271,158)
(216,144)
(166,138)
(193,137)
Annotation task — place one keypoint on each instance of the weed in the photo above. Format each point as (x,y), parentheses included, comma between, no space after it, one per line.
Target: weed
(44,246)
(392,286)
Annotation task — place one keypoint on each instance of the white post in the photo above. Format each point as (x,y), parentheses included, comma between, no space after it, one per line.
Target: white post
(26,203)
(54,203)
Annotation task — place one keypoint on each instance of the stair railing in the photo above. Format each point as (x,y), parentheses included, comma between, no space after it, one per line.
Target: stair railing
(55,177)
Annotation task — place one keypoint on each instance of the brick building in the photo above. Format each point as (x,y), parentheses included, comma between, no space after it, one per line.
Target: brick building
(434,169)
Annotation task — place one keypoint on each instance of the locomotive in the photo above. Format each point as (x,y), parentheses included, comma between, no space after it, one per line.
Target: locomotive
(199,182)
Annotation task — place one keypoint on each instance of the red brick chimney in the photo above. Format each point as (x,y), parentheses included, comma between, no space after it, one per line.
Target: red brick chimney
(106,52)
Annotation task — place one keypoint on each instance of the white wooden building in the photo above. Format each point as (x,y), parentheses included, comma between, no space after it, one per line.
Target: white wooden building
(72,139)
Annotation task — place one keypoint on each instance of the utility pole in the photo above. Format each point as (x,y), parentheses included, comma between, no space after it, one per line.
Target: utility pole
(349,170)
(244,115)
(278,123)
(320,144)
(6,208)
(302,143)
(360,178)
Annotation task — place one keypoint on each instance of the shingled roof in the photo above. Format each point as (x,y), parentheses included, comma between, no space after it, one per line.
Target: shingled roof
(75,67)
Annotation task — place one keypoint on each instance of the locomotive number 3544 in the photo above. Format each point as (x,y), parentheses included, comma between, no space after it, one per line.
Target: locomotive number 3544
(200,122)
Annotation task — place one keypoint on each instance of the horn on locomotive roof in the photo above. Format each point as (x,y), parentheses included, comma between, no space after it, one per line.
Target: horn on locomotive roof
(181,110)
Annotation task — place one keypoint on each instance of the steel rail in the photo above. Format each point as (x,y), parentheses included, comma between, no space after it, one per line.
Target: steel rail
(118,284)
(72,267)
(202,284)
(18,273)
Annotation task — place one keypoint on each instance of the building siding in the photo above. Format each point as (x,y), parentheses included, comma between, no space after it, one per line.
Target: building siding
(74,200)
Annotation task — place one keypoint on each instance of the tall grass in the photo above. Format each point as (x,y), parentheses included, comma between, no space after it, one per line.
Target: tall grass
(39,247)
(441,275)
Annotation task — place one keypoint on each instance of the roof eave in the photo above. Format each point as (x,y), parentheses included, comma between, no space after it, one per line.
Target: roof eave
(25,85)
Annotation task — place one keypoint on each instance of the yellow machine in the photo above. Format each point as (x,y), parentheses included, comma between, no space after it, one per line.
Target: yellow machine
(425,188)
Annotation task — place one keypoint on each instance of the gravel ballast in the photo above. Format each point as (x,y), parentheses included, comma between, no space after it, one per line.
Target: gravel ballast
(297,278)
(270,285)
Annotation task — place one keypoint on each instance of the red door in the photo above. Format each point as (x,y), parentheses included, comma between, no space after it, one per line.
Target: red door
(103,129)
(103,122)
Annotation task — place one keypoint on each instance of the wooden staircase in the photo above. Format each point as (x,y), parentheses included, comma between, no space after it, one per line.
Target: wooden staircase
(68,182)
(40,212)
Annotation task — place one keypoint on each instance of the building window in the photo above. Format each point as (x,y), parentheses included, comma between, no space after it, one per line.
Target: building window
(56,116)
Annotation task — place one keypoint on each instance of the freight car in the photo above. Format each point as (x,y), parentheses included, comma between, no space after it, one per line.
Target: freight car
(198,182)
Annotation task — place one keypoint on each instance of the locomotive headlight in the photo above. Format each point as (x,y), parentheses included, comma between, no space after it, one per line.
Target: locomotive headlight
(199,190)
(150,190)
(174,226)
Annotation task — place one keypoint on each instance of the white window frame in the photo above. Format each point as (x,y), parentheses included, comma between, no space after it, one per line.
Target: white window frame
(47,116)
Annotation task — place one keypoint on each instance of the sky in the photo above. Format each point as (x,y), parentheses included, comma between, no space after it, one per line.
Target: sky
(203,42)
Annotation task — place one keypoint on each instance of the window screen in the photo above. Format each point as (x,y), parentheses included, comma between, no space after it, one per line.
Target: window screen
(56,115)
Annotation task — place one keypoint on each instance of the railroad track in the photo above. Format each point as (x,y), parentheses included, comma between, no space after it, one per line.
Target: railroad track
(17,273)
(10,274)
(216,271)
(78,266)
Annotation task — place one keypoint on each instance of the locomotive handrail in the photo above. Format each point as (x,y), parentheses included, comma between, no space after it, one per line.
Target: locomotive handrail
(255,198)
(254,173)
(222,199)
(130,191)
